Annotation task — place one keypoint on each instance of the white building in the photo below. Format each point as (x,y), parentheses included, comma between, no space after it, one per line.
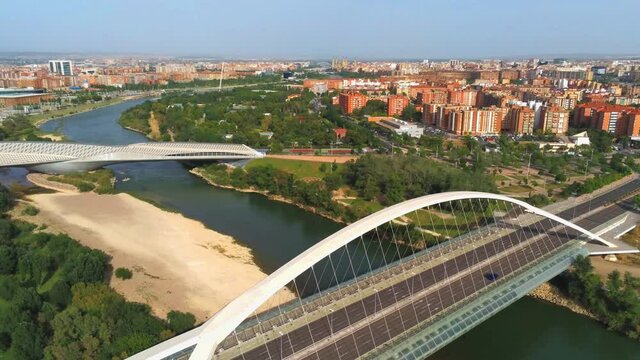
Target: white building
(580,138)
(402,127)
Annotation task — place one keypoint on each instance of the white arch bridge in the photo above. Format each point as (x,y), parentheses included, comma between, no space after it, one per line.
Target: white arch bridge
(61,157)
(398,284)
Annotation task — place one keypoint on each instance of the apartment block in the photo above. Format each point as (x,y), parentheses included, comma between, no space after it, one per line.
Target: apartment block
(352,101)
(396,104)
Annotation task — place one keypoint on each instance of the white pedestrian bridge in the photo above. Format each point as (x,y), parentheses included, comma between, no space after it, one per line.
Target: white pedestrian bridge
(62,157)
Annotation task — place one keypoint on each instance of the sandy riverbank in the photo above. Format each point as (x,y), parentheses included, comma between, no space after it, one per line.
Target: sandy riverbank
(178,264)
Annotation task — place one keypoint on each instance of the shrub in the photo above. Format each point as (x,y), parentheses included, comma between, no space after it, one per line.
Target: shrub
(30,210)
(123,273)
(180,322)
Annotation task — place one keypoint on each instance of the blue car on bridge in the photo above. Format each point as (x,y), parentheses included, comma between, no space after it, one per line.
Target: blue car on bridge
(491,276)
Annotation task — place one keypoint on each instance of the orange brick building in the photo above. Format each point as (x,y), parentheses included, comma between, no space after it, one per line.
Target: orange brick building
(395,104)
(615,119)
(433,95)
(555,120)
(521,120)
(352,101)
(476,121)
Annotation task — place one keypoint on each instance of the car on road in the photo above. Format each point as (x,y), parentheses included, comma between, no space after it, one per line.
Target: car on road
(491,276)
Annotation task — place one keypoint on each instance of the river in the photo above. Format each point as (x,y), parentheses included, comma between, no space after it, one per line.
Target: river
(277,232)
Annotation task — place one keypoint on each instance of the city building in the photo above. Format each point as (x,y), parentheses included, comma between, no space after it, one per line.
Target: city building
(581,138)
(432,95)
(352,101)
(522,120)
(463,97)
(19,97)
(476,122)
(396,104)
(341,133)
(61,67)
(555,119)
(402,127)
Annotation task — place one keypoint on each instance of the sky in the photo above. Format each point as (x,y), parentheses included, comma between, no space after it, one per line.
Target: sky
(305,29)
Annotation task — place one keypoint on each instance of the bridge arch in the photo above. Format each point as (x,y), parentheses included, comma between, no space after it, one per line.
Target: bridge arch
(225,321)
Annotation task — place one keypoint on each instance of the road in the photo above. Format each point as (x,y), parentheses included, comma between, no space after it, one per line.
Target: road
(394,309)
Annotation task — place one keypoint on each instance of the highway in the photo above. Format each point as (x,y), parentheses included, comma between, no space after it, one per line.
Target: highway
(364,325)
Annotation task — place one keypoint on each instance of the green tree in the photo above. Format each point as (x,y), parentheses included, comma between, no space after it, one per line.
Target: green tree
(89,266)
(180,322)
(123,273)
(410,113)
(60,294)
(8,259)
(26,342)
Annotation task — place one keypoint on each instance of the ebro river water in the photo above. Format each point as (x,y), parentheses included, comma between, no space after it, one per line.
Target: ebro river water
(277,232)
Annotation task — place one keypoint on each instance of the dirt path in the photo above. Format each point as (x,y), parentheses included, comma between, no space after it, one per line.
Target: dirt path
(155,126)
(603,267)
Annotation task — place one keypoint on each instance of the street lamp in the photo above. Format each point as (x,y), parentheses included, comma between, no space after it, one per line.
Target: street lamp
(528,166)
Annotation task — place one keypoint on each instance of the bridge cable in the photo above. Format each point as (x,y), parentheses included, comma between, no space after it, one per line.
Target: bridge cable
(454,259)
(340,290)
(331,312)
(423,258)
(374,282)
(364,307)
(474,255)
(395,304)
(441,249)
(400,265)
(458,242)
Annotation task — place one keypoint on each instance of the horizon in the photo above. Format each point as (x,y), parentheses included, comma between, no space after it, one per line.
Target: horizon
(380,30)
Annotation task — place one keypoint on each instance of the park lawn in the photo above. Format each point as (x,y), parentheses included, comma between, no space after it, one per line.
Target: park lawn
(371,206)
(299,168)
(447,224)
(49,283)
(516,189)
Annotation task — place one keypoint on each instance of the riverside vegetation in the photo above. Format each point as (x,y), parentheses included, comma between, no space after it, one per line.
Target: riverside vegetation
(55,302)
(376,179)
(615,301)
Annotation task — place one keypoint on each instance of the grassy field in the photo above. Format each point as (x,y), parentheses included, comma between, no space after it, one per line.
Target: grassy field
(300,169)
(100,181)
(443,223)
(516,189)
(370,206)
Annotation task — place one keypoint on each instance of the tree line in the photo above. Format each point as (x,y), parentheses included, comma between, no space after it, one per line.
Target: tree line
(381,178)
(56,304)
(615,301)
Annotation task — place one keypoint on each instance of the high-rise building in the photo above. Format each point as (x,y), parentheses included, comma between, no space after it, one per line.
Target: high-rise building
(432,96)
(61,67)
(555,120)
(352,101)
(463,97)
(522,120)
(606,118)
(476,121)
(396,104)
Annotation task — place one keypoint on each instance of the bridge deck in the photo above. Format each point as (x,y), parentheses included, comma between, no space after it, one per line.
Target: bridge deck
(356,316)
(439,288)
(351,321)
